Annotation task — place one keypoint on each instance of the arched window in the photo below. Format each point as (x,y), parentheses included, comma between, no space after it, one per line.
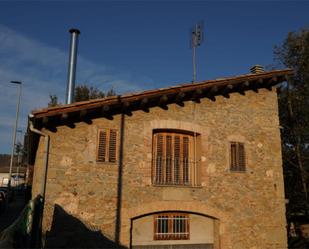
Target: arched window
(174,158)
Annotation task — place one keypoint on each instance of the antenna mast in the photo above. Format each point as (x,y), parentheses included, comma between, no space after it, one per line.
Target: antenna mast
(196,40)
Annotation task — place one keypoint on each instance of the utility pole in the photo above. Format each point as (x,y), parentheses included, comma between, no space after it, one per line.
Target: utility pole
(14,132)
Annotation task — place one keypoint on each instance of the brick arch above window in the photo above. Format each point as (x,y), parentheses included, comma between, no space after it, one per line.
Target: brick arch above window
(175,124)
(149,126)
(195,207)
(237,137)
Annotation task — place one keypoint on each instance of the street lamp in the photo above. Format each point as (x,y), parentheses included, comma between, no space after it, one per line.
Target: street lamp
(19,154)
(14,132)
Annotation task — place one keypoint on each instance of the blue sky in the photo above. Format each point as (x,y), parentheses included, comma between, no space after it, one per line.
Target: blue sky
(130,46)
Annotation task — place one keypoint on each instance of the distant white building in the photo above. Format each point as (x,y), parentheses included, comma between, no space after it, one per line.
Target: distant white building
(18,176)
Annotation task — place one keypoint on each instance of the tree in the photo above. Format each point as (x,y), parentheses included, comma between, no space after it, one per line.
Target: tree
(110,92)
(53,101)
(83,93)
(294,119)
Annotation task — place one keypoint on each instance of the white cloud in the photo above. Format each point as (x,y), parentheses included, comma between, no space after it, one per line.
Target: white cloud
(43,71)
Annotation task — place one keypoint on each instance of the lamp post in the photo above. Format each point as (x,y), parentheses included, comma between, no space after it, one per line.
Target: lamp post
(14,132)
(19,154)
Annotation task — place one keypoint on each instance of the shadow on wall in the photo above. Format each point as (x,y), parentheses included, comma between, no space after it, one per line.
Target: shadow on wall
(68,231)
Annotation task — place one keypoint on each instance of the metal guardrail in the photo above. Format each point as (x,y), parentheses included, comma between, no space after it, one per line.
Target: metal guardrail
(168,171)
(25,231)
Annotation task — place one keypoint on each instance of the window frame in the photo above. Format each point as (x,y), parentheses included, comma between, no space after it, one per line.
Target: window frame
(108,132)
(171,217)
(239,160)
(189,163)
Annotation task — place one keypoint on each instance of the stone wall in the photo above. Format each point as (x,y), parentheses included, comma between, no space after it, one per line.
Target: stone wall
(248,207)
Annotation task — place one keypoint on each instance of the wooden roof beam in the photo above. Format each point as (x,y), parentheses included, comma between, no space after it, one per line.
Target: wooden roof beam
(179,99)
(268,84)
(214,89)
(64,116)
(242,87)
(211,93)
(274,79)
(105,109)
(197,95)
(126,108)
(83,115)
(67,121)
(45,121)
(105,112)
(260,81)
(227,90)
(144,104)
(180,96)
(163,102)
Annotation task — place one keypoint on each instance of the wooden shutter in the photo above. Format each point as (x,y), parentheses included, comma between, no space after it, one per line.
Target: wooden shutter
(158,158)
(233,156)
(172,159)
(238,157)
(169,158)
(107,146)
(185,159)
(241,157)
(101,146)
(112,146)
(177,160)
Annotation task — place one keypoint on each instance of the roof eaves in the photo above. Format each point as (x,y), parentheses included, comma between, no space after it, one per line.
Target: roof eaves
(188,87)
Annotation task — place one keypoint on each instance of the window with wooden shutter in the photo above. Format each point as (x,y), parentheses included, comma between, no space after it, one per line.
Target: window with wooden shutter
(238,157)
(107,145)
(173,159)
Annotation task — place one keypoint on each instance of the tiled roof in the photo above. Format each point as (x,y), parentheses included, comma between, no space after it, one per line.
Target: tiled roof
(164,96)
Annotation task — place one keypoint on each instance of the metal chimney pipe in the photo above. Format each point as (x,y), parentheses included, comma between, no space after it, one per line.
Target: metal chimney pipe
(72,66)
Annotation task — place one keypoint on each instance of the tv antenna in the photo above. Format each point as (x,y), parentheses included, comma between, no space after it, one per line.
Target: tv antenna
(197,38)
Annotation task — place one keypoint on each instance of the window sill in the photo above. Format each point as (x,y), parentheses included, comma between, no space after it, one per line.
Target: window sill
(176,186)
(238,171)
(107,163)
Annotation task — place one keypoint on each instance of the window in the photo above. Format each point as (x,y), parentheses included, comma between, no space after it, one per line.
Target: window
(173,159)
(107,145)
(171,226)
(238,157)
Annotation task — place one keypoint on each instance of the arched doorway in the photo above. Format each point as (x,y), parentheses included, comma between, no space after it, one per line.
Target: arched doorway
(173,230)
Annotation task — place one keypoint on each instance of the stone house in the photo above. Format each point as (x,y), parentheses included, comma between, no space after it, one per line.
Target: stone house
(190,166)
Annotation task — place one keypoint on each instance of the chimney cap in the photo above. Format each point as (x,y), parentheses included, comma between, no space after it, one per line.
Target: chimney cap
(74,31)
(257,69)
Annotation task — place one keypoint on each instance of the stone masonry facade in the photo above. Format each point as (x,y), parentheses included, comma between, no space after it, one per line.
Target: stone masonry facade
(248,207)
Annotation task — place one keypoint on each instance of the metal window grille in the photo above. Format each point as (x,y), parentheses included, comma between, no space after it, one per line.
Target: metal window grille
(171,226)
(173,162)
(107,145)
(238,157)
